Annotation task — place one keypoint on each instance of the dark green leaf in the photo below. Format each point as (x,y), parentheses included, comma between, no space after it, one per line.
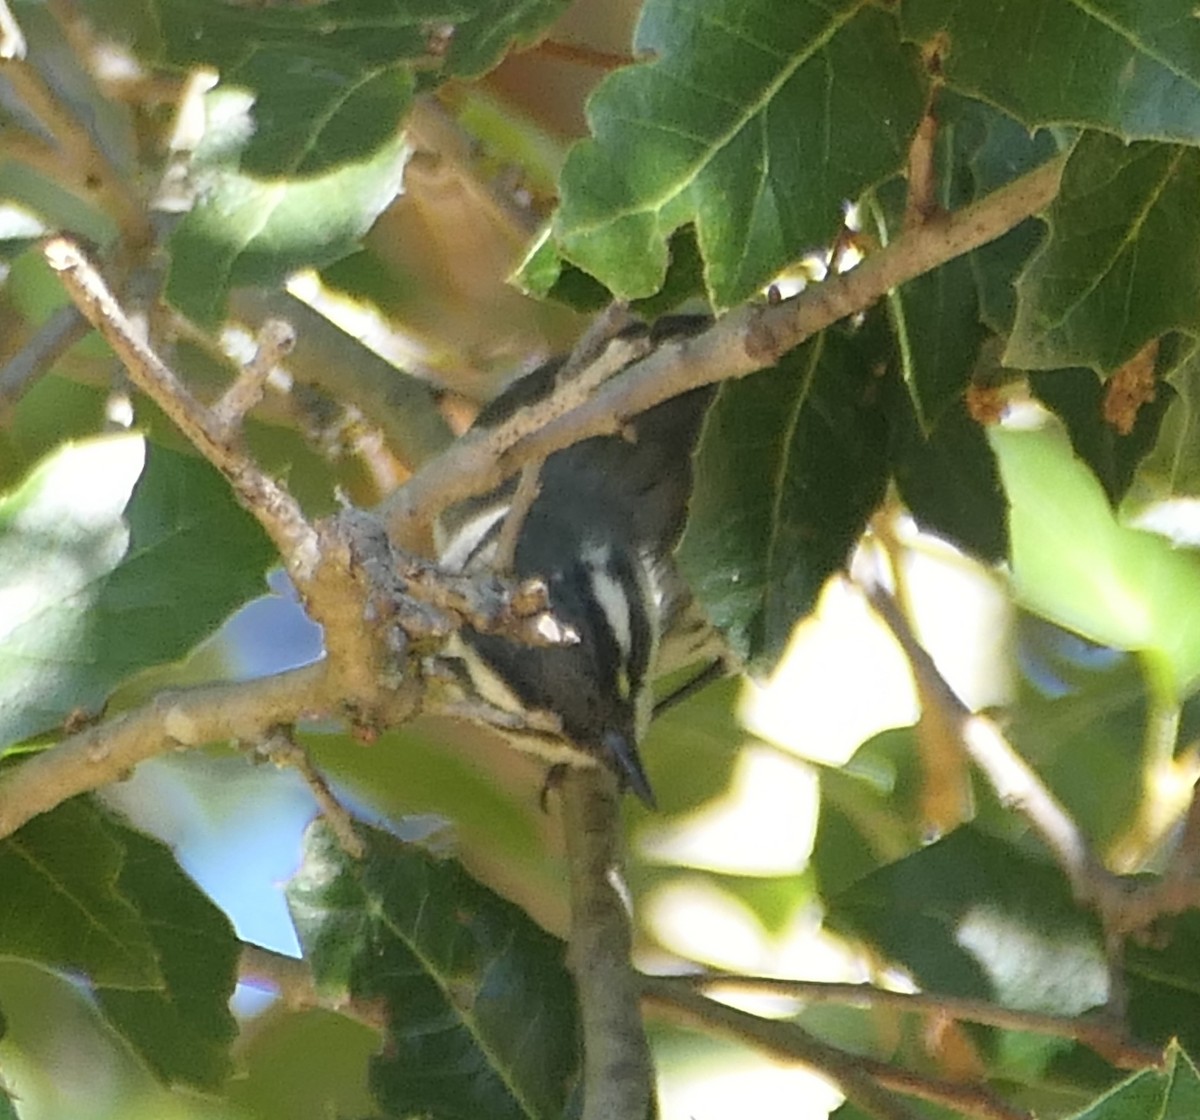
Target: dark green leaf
(181,1027)
(331,82)
(997,149)
(870,812)
(107,568)
(480,1008)
(949,479)
(63,904)
(1164,982)
(972,916)
(811,109)
(1132,69)
(1077,397)
(1122,260)
(791,463)
(1171,467)
(447,39)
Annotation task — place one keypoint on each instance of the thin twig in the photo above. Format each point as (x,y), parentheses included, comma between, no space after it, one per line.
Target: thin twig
(276,337)
(868,1082)
(921,203)
(749,338)
(484,450)
(1014,779)
(528,488)
(1122,905)
(105,753)
(281,748)
(618,1077)
(276,510)
(581,54)
(1106,1037)
(49,342)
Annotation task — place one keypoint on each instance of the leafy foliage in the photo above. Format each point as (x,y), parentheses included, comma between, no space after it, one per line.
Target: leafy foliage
(1021,419)
(479,1008)
(115,557)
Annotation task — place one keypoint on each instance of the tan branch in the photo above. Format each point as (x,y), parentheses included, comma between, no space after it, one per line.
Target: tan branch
(868,1082)
(105,753)
(276,510)
(1098,1033)
(292,979)
(281,748)
(276,337)
(618,1076)
(749,338)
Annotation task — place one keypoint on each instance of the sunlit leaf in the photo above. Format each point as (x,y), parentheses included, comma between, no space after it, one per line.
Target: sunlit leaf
(113,556)
(1075,564)
(810,110)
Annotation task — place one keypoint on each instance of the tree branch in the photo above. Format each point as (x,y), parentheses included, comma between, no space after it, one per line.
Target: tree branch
(1123,906)
(618,1072)
(274,507)
(292,978)
(281,748)
(868,1082)
(105,753)
(749,338)
(1106,1037)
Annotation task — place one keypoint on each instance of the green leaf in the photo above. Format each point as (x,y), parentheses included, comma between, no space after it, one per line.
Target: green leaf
(1079,717)
(1122,260)
(448,38)
(810,110)
(330,83)
(1131,69)
(948,478)
(1074,564)
(972,916)
(480,1008)
(107,568)
(870,811)
(1077,398)
(254,231)
(1164,982)
(63,903)
(791,463)
(1171,468)
(1170,1094)
(309,1065)
(181,1027)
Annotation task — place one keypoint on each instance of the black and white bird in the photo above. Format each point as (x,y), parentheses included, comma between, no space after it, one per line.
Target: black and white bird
(600,532)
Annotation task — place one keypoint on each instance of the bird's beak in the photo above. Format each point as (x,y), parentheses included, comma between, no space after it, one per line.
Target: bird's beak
(621,750)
